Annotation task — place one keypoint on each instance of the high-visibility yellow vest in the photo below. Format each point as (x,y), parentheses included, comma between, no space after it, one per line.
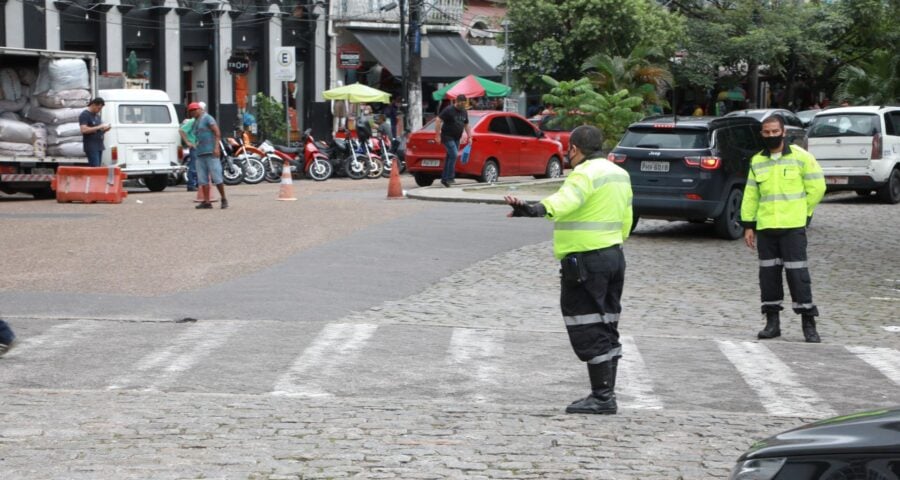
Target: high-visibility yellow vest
(782,193)
(592,209)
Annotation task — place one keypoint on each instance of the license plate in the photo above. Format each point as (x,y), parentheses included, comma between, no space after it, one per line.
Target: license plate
(42,171)
(837,180)
(147,156)
(431,163)
(654,166)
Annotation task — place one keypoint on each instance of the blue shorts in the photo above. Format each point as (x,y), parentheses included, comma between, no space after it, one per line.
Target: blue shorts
(209,167)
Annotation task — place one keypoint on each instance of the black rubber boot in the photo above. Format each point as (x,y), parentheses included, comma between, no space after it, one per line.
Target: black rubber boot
(602,399)
(773,326)
(809,329)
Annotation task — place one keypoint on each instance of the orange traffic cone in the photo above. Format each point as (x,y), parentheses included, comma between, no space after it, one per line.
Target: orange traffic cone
(206,191)
(395,190)
(286,192)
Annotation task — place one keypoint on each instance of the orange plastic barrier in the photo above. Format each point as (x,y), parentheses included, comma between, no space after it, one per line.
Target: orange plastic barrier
(89,185)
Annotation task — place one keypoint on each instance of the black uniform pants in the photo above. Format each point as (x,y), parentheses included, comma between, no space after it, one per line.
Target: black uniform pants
(591,308)
(784,249)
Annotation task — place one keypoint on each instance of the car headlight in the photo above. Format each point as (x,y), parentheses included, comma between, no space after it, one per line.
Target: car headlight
(757,469)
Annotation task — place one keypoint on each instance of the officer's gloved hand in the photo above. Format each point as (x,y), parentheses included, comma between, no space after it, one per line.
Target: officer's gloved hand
(535,209)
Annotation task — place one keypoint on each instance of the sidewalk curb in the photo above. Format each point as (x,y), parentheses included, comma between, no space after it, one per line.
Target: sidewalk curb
(478,192)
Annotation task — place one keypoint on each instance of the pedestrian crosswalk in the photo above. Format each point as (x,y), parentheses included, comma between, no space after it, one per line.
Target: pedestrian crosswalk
(457,364)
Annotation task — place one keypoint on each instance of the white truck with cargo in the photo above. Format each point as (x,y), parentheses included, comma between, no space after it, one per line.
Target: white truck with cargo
(42,93)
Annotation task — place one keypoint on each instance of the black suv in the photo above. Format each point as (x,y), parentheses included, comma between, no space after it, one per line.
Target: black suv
(690,168)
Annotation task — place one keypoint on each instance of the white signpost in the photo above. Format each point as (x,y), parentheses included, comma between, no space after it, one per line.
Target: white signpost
(285,69)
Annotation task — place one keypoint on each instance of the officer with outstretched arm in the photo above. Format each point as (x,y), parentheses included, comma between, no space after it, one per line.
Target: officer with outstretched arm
(592,218)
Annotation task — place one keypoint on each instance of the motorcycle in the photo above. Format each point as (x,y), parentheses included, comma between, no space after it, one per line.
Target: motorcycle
(253,169)
(344,159)
(315,164)
(373,164)
(232,173)
(382,148)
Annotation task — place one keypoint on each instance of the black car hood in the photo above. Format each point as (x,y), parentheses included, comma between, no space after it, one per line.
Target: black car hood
(876,431)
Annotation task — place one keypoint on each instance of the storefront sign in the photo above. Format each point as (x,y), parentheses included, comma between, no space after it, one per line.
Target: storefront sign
(349,57)
(238,65)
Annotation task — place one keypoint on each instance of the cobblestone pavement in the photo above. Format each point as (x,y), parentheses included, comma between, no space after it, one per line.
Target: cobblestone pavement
(468,377)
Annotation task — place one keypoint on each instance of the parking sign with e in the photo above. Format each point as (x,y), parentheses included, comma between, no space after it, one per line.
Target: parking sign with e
(285,66)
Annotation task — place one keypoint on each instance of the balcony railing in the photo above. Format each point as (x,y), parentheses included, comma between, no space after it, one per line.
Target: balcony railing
(445,12)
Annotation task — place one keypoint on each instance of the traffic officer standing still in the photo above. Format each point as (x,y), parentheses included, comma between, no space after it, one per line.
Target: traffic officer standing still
(592,218)
(784,186)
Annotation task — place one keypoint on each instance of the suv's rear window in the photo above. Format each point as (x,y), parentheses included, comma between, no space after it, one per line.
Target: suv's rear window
(670,138)
(845,125)
(144,114)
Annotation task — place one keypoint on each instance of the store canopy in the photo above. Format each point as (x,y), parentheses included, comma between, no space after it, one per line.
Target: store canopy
(472,87)
(448,55)
(357,93)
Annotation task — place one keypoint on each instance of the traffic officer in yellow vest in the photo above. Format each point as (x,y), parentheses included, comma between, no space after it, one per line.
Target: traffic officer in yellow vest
(784,186)
(592,218)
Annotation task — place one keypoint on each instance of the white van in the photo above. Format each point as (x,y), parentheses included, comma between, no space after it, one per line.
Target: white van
(144,140)
(859,149)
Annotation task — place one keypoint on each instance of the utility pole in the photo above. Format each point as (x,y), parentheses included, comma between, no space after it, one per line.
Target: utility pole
(506,53)
(414,85)
(404,67)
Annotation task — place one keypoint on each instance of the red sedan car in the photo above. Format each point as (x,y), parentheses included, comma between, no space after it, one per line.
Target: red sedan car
(551,127)
(503,144)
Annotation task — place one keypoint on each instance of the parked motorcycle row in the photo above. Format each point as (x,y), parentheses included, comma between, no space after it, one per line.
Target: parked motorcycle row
(356,157)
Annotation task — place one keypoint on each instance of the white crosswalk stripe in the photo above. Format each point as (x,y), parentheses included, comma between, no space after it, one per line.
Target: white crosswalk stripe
(476,352)
(56,338)
(633,384)
(885,360)
(163,366)
(336,345)
(476,365)
(774,382)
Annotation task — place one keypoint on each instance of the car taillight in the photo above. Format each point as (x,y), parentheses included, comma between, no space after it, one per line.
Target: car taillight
(114,154)
(706,163)
(876,147)
(617,157)
(693,196)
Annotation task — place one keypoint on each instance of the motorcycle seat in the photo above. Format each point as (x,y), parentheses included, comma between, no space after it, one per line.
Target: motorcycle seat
(284,149)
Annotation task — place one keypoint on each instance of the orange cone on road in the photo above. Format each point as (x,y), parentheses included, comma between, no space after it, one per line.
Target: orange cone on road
(286,192)
(395,190)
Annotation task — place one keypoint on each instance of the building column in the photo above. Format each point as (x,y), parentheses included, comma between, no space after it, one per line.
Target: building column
(274,41)
(54,25)
(115,43)
(322,65)
(221,75)
(15,31)
(172,25)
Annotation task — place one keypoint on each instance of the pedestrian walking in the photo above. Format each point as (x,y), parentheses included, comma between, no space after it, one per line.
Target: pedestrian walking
(209,167)
(92,130)
(7,338)
(391,111)
(784,185)
(592,218)
(190,140)
(448,130)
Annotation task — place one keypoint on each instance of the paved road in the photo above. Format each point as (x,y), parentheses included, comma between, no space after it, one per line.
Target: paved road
(445,358)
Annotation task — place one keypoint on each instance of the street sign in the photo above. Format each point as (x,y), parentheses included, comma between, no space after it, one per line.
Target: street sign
(285,66)
(349,58)
(238,65)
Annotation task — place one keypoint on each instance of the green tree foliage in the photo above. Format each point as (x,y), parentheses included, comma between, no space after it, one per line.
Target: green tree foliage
(555,37)
(577,103)
(642,73)
(875,81)
(270,118)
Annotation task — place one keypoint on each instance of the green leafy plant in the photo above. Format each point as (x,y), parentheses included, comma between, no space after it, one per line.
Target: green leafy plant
(577,103)
(270,119)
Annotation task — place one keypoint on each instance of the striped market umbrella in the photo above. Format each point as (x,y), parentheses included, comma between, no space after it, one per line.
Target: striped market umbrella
(472,87)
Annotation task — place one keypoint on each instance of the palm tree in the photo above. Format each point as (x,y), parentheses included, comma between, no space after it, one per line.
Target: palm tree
(637,73)
(874,82)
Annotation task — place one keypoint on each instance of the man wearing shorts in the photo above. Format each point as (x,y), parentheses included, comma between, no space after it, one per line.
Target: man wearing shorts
(209,167)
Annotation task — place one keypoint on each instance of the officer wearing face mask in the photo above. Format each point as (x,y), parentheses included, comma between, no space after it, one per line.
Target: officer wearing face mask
(592,217)
(784,185)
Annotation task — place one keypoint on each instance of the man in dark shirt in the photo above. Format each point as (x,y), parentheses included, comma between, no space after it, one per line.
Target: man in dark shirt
(92,131)
(448,129)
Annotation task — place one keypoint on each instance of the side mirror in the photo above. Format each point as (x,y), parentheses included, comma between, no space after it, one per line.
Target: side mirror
(540,134)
